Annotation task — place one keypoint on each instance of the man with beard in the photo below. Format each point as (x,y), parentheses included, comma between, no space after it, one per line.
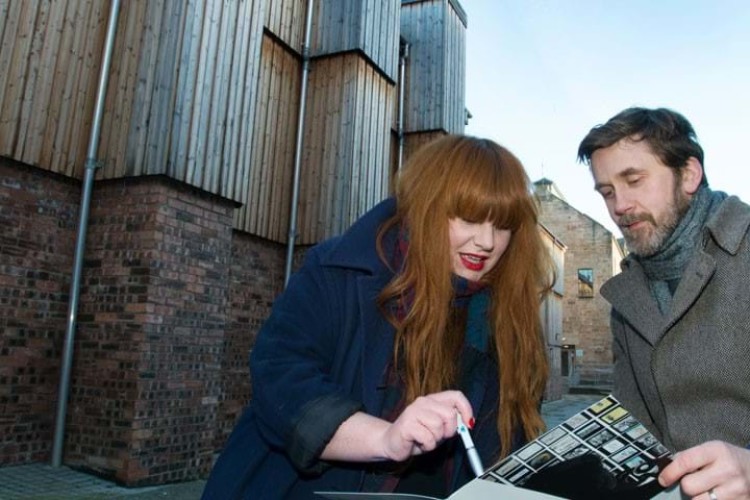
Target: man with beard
(681,306)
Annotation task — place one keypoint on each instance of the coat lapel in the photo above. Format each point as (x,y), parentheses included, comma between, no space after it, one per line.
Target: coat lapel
(629,294)
(694,280)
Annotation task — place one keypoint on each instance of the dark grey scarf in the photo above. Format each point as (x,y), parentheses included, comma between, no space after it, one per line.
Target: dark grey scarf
(664,269)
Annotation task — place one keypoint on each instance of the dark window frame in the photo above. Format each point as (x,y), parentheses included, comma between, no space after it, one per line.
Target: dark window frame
(585,277)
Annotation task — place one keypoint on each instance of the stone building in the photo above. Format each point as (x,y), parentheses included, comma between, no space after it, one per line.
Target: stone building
(551,316)
(592,257)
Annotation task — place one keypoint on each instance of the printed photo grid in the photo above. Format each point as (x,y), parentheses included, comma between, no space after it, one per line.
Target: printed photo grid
(629,451)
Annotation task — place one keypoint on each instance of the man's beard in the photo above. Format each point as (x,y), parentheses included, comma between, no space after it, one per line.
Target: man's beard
(646,243)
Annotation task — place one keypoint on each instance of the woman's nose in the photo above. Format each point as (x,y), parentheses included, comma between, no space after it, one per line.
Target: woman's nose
(484,237)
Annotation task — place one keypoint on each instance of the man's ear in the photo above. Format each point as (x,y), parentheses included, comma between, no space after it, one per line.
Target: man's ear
(692,174)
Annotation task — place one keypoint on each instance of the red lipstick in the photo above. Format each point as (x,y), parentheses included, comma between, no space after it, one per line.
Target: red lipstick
(470,263)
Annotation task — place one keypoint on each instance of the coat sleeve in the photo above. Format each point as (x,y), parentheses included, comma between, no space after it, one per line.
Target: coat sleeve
(301,388)
(626,388)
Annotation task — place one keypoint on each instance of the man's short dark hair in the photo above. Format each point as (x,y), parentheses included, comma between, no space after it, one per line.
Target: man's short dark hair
(669,134)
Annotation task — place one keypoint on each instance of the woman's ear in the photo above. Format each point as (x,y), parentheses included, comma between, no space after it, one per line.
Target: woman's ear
(692,174)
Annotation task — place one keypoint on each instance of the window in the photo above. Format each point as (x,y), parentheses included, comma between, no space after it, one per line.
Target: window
(586,282)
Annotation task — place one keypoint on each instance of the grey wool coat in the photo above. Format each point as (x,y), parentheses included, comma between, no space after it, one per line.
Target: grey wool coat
(686,374)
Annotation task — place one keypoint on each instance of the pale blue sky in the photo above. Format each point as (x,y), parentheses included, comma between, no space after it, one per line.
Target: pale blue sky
(541,73)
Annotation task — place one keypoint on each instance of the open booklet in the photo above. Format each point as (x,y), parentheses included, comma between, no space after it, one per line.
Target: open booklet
(605,433)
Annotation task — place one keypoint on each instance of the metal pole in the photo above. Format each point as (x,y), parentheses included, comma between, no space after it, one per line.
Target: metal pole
(75,285)
(292,236)
(403,56)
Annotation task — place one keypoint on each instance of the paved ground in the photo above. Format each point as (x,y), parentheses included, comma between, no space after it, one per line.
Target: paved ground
(44,482)
(556,412)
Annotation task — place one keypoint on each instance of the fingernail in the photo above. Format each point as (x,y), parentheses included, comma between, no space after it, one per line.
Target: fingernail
(471,423)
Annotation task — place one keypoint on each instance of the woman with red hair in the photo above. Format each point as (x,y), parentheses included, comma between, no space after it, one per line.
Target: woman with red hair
(427,307)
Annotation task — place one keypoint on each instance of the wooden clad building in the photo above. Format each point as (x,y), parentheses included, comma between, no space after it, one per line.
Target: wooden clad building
(191,204)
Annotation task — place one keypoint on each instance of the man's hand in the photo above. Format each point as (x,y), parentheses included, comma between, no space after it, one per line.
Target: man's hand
(713,467)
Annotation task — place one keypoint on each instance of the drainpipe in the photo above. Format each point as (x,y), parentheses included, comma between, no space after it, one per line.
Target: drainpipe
(292,236)
(403,56)
(75,285)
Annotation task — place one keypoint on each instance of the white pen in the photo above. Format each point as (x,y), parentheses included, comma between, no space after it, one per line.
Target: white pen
(474,460)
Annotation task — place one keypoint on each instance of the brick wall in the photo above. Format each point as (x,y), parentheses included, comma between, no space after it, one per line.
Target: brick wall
(257,277)
(171,301)
(147,369)
(38,214)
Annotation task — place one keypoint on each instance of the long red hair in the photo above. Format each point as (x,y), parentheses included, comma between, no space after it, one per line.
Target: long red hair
(475,180)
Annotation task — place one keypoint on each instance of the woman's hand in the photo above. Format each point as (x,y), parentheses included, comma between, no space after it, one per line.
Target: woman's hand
(421,427)
(424,424)
(714,467)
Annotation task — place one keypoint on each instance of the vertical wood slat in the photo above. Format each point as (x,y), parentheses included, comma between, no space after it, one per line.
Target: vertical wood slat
(120,157)
(251,208)
(269,129)
(285,19)
(229,174)
(335,92)
(346,166)
(186,89)
(12,54)
(254,95)
(94,20)
(309,194)
(50,56)
(313,137)
(64,75)
(216,85)
(152,65)
(5,19)
(284,151)
(200,111)
(286,141)
(455,71)
(25,127)
(70,76)
(362,142)
(58,63)
(267,202)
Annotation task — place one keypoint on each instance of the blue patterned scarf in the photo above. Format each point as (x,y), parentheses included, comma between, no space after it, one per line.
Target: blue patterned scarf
(664,269)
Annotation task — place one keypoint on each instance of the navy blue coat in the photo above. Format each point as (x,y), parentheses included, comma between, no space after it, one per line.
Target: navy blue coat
(319,358)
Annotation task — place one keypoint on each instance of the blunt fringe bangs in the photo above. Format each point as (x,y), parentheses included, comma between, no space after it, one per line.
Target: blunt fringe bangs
(473,179)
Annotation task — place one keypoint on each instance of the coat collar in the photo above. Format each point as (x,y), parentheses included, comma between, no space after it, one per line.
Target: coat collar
(356,248)
(629,293)
(729,225)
